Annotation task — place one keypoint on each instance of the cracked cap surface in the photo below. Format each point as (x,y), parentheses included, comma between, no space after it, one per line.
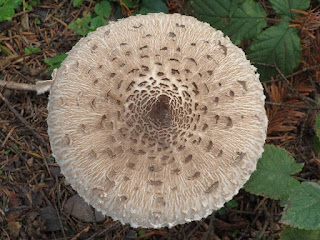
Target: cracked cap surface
(156,120)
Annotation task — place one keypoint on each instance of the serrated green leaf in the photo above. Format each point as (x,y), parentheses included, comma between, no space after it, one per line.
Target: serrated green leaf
(31,49)
(290,233)
(97,22)
(231,204)
(278,45)
(81,25)
(240,20)
(303,210)
(56,61)
(284,7)
(103,9)
(6,13)
(130,3)
(77,3)
(273,175)
(316,145)
(152,6)
(7,8)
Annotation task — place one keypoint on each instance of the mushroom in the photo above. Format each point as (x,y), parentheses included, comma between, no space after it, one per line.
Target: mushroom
(156,120)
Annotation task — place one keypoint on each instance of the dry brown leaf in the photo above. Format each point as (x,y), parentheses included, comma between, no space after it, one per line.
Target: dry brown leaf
(14,228)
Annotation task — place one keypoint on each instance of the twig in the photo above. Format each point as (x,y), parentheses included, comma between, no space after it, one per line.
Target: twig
(35,133)
(292,89)
(303,126)
(314,108)
(18,86)
(59,205)
(193,230)
(303,98)
(21,13)
(210,232)
(180,6)
(267,222)
(296,73)
(97,234)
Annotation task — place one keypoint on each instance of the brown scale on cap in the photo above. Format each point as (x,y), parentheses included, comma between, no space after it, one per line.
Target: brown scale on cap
(156,126)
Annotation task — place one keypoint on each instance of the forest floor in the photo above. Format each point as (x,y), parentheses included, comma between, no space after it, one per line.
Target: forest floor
(34,197)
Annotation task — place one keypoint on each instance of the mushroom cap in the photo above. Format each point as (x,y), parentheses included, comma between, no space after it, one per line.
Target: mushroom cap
(156,120)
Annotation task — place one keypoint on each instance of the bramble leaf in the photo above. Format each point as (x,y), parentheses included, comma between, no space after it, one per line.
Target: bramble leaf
(283,7)
(96,22)
(31,49)
(55,61)
(152,6)
(81,25)
(278,45)
(290,233)
(316,139)
(273,175)
(77,3)
(130,3)
(239,19)
(303,209)
(103,9)
(7,8)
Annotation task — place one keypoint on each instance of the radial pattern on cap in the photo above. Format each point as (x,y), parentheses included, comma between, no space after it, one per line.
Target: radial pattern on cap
(156,120)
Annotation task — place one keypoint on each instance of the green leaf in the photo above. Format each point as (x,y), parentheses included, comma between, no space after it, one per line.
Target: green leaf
(7,8)
(240,20)
(97,22)
(81,25)
(290,233)
(316,145)
(56,61)
(231,204)
(103,9)
(278,45)
(316,139)
(273,175)
(35,2)
(37,20)
(118,13)
(130,3)
(31,49)
(6,13)
(284,7)
(77,3)
(152,6)
(303,209)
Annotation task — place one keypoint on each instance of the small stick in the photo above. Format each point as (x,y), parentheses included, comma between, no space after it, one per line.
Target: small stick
(294,106)
(180,6)
(35,133)
(59,205)
(303,127)
(292,89)
(18,86)
(296,73)
(268,220)
(210,232)
(97,234)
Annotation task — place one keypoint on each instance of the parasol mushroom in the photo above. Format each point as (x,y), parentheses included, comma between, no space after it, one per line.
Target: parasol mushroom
(156,120)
